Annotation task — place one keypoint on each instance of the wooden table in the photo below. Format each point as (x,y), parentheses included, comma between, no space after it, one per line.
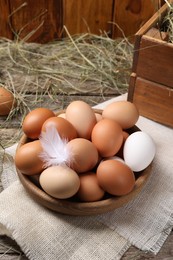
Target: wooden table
(8,248)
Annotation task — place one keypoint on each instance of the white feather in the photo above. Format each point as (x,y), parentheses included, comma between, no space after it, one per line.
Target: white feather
(55,149)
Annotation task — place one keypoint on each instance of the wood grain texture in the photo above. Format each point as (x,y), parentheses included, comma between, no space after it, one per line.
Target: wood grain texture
(80,16)
(155,33)
(151,81)
(130,15)
(5,30)
(153,22)
(36,21)
(154,101)
(155,61)
(131,89)
(42,21)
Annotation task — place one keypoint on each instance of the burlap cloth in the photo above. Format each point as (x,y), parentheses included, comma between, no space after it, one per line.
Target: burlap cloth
(144,222)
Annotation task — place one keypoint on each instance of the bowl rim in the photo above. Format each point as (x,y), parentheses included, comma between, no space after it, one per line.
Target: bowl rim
(66,206)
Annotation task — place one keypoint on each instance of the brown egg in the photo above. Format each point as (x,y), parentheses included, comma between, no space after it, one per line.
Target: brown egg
(65,129)
(115,177)
(7,101)
(84,155)
(89,188)
(27,158)
(107,136)
(60,181)
(125,136)
(82,117)
(34,120)
(123,112)
(120,152)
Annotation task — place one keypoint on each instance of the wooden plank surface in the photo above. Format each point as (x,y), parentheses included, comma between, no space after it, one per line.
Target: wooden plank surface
(147,29)
(5,30)
(130,15)
(155,61)
(154,101)
(42,21)
(36,21)
(155,20)
(80,16)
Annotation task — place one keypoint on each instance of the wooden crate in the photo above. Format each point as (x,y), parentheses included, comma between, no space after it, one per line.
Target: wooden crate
(151,82)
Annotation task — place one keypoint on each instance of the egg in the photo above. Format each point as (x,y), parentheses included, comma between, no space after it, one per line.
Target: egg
(107,136)
(123,112)
(83,155)
(59,181)
(62,115)
(27,158)
(34,120)
(125,135)
(139,151)
(115,177)
(114,158)
(89,190)
(7,101)
(82,117)
(65,129)
(120,152)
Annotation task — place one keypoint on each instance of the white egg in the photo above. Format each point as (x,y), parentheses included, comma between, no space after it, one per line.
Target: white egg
(139,151)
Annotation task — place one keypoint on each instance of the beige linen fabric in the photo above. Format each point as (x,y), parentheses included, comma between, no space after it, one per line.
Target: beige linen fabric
(147,220)
(144,222)
(43,234)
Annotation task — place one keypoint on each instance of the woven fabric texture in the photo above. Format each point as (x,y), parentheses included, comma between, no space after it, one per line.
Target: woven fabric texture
(144,222)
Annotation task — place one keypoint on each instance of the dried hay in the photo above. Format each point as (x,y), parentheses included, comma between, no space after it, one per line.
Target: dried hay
(84,64)
(167,23)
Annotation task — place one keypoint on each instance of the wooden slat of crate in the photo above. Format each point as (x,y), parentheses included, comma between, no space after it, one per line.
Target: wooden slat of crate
(153,22)
(154,101)
(156,34)
(155,61)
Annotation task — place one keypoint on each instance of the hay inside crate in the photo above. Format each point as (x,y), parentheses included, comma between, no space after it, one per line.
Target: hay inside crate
(151,81)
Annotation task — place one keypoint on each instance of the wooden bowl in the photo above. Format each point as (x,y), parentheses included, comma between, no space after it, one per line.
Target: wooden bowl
(72,207)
